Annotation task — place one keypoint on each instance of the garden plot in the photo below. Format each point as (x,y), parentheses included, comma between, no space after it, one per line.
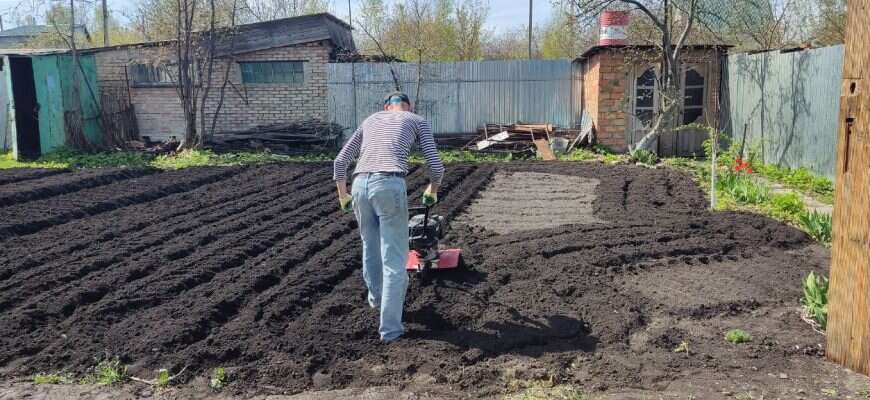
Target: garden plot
(518,201)
(256,270)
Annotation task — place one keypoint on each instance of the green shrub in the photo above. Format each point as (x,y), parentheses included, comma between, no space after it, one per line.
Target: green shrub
(815,299)
(737,336)
(817,225)
(786,206)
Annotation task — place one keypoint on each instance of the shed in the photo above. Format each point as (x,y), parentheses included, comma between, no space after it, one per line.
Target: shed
(39,103)
(276,72)
(621,96)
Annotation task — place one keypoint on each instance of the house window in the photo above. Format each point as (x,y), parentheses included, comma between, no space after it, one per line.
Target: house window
(693,103)
(153,75)
(272,72)
(644,100)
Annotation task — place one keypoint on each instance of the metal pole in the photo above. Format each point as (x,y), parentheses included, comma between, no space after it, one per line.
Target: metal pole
(1,23)
(530,29)
(105,24)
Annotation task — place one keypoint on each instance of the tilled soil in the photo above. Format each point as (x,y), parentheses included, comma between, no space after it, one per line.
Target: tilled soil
(255,269)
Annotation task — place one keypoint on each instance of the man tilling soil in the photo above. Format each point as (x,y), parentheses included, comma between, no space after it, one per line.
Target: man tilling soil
(379,200)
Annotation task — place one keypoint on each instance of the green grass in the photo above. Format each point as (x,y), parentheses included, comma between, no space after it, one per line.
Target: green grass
(815,298)
(52,379)
(800,179)
(108,371)
(737,336)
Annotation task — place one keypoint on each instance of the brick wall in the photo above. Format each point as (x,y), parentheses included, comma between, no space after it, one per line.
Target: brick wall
(158,109)
(604,86)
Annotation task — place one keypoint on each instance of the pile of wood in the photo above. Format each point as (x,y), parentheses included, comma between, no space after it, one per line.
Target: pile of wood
(524,137)
(284,138)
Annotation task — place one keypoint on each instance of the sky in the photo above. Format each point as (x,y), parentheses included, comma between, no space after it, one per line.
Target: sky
(503,14)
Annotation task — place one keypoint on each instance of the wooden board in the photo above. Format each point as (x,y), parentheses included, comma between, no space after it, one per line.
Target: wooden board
(848,331)
(544,149)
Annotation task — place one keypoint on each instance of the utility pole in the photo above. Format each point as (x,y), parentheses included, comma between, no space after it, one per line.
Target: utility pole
(530,28)
(1,23)
(105,24)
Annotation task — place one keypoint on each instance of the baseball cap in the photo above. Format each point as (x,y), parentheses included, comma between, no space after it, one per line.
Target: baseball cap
(397,97)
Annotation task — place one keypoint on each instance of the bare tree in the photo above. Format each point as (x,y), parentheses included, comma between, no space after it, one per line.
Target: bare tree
(185,56)
(396,84)
(673,21)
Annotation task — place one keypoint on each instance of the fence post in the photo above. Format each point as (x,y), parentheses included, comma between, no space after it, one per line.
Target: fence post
(848,331)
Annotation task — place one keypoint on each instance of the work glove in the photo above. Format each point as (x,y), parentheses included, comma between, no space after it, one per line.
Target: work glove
(429,198)
(346,203)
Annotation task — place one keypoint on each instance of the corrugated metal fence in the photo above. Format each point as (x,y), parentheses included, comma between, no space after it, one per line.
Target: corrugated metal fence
(786,105)
(459,97)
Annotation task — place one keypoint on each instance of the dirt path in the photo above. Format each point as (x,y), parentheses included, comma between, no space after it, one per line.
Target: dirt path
(810,202)
(256,270)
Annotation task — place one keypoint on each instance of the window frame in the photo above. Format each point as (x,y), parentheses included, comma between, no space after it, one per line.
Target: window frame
(701,71)
(301,72)
(154,84)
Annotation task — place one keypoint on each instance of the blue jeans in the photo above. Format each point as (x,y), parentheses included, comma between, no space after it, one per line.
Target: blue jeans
(380,203)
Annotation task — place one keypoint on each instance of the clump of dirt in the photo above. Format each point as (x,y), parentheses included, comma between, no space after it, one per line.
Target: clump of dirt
(256,270)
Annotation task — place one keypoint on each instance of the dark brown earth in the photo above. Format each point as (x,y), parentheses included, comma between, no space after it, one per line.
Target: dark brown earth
(256,270)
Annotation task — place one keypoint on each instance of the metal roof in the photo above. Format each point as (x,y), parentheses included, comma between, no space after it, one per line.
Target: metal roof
(31,52)
(270,34)
(599,48)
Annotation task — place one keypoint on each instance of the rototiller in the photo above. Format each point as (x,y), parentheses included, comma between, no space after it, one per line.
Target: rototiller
(425,230)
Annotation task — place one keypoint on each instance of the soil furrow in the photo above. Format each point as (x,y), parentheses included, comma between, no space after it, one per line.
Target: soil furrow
(12,175)
(142,232)
(63,184)
(205,232)
(25,219)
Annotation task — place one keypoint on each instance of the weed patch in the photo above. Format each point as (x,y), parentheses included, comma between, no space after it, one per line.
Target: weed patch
(50,379)
(218,379)
(108,371)
(737,336)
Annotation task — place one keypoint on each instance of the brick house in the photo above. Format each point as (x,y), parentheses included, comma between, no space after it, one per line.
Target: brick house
(277,73)
(619,94)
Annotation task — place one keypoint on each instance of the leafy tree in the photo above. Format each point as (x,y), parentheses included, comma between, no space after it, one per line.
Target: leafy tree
(564,37)
(830,27)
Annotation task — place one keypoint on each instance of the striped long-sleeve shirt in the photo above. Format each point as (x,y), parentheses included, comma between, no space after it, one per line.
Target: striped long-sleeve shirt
(383,142)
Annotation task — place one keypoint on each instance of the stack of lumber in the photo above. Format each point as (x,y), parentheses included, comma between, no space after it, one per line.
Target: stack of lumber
(284,138)
(520,137)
